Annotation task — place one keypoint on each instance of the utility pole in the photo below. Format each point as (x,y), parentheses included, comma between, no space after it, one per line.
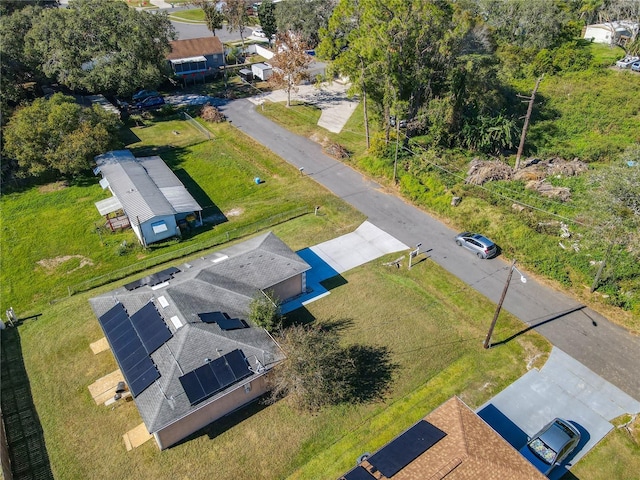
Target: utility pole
(487,341)
(602,264)
(526,121)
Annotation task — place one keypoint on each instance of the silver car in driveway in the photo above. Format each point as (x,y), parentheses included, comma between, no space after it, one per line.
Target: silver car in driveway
(478,244)
(551,445)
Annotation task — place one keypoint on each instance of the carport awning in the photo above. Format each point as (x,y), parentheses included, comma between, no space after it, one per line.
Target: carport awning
(180,61)
(108,205)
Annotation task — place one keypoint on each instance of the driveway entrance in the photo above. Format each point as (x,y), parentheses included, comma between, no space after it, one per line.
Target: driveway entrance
(333,257)
(562,388)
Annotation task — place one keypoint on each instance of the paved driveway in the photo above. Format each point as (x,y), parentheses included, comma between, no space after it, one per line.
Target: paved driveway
(562,388)
(333,257)
(331,98)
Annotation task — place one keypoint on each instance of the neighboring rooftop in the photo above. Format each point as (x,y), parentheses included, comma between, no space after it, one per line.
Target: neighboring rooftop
(195,47)
(145,187)
(451,442)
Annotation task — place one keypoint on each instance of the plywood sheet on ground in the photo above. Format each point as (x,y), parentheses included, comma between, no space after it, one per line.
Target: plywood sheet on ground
(100,346)
(136,437)
(104,388)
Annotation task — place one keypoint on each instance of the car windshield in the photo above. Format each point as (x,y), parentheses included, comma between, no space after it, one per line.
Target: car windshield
(542,450)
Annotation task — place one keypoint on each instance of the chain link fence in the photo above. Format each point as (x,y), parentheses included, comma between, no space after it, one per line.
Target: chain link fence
(221,239)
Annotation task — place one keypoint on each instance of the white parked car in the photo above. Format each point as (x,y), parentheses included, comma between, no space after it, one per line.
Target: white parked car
(635,66)
(626,61)
(258,33)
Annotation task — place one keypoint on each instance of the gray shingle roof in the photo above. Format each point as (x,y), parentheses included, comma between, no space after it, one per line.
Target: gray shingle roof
(204,287)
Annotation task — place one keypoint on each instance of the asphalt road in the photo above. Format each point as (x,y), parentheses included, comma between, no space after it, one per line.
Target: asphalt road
(605,348)
(188,31)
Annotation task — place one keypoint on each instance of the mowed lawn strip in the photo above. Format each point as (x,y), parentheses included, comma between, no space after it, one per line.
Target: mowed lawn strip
(431,323)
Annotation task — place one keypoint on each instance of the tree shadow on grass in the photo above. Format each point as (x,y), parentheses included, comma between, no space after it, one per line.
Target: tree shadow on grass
(372,372)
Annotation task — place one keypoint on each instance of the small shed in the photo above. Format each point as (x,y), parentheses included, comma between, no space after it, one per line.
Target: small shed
(246,74)
(263,71)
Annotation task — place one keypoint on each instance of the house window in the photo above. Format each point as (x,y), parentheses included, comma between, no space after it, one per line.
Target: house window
(159,227)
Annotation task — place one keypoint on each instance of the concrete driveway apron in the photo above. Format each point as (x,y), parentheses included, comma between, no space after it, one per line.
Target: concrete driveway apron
(563,388)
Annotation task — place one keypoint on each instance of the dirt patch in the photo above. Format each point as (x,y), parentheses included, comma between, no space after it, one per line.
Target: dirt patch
(234,212)
(53,187)
(51,264)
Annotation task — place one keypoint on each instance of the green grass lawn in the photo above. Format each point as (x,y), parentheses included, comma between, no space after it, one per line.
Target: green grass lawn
(195,15)
(432,324)
(50,243)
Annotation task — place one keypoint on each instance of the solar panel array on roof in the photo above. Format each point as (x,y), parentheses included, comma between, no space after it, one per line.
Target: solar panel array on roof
(358,473)
(153,279)
(212,317)
(137,367)
(232,324)
(215,376)
(405,448)
(150,327)
(223,320)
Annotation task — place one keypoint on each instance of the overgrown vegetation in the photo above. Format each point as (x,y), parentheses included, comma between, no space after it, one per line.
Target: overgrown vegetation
(264,311)
(573,119)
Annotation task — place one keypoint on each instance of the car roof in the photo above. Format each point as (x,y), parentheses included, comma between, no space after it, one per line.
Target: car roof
(558,434)
(482,239)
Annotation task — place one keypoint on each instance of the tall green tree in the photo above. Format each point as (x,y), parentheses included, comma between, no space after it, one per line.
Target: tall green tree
(235,13)
(58,137)
(267,17)
(8,7)
(400,52)
(527,24)
(16,69)
(304,17)
(213,15)
(101,46)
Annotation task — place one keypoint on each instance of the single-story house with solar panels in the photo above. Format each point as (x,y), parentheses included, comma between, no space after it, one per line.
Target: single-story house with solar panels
(451,442)
(196,58)
(151,196)
(182,339)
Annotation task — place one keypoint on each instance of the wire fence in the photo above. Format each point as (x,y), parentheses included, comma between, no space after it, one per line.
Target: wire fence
(221,239)
(196,124)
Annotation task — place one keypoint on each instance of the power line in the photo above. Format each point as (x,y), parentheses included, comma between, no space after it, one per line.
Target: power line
(462,177)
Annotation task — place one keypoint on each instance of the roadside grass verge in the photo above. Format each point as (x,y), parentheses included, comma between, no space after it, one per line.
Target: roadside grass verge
(53,236)
(617,455)
(302,119)
(431,323)
(193,15)
(592,115)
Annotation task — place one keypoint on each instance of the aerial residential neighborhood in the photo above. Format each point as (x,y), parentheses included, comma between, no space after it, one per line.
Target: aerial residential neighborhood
(320,239)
